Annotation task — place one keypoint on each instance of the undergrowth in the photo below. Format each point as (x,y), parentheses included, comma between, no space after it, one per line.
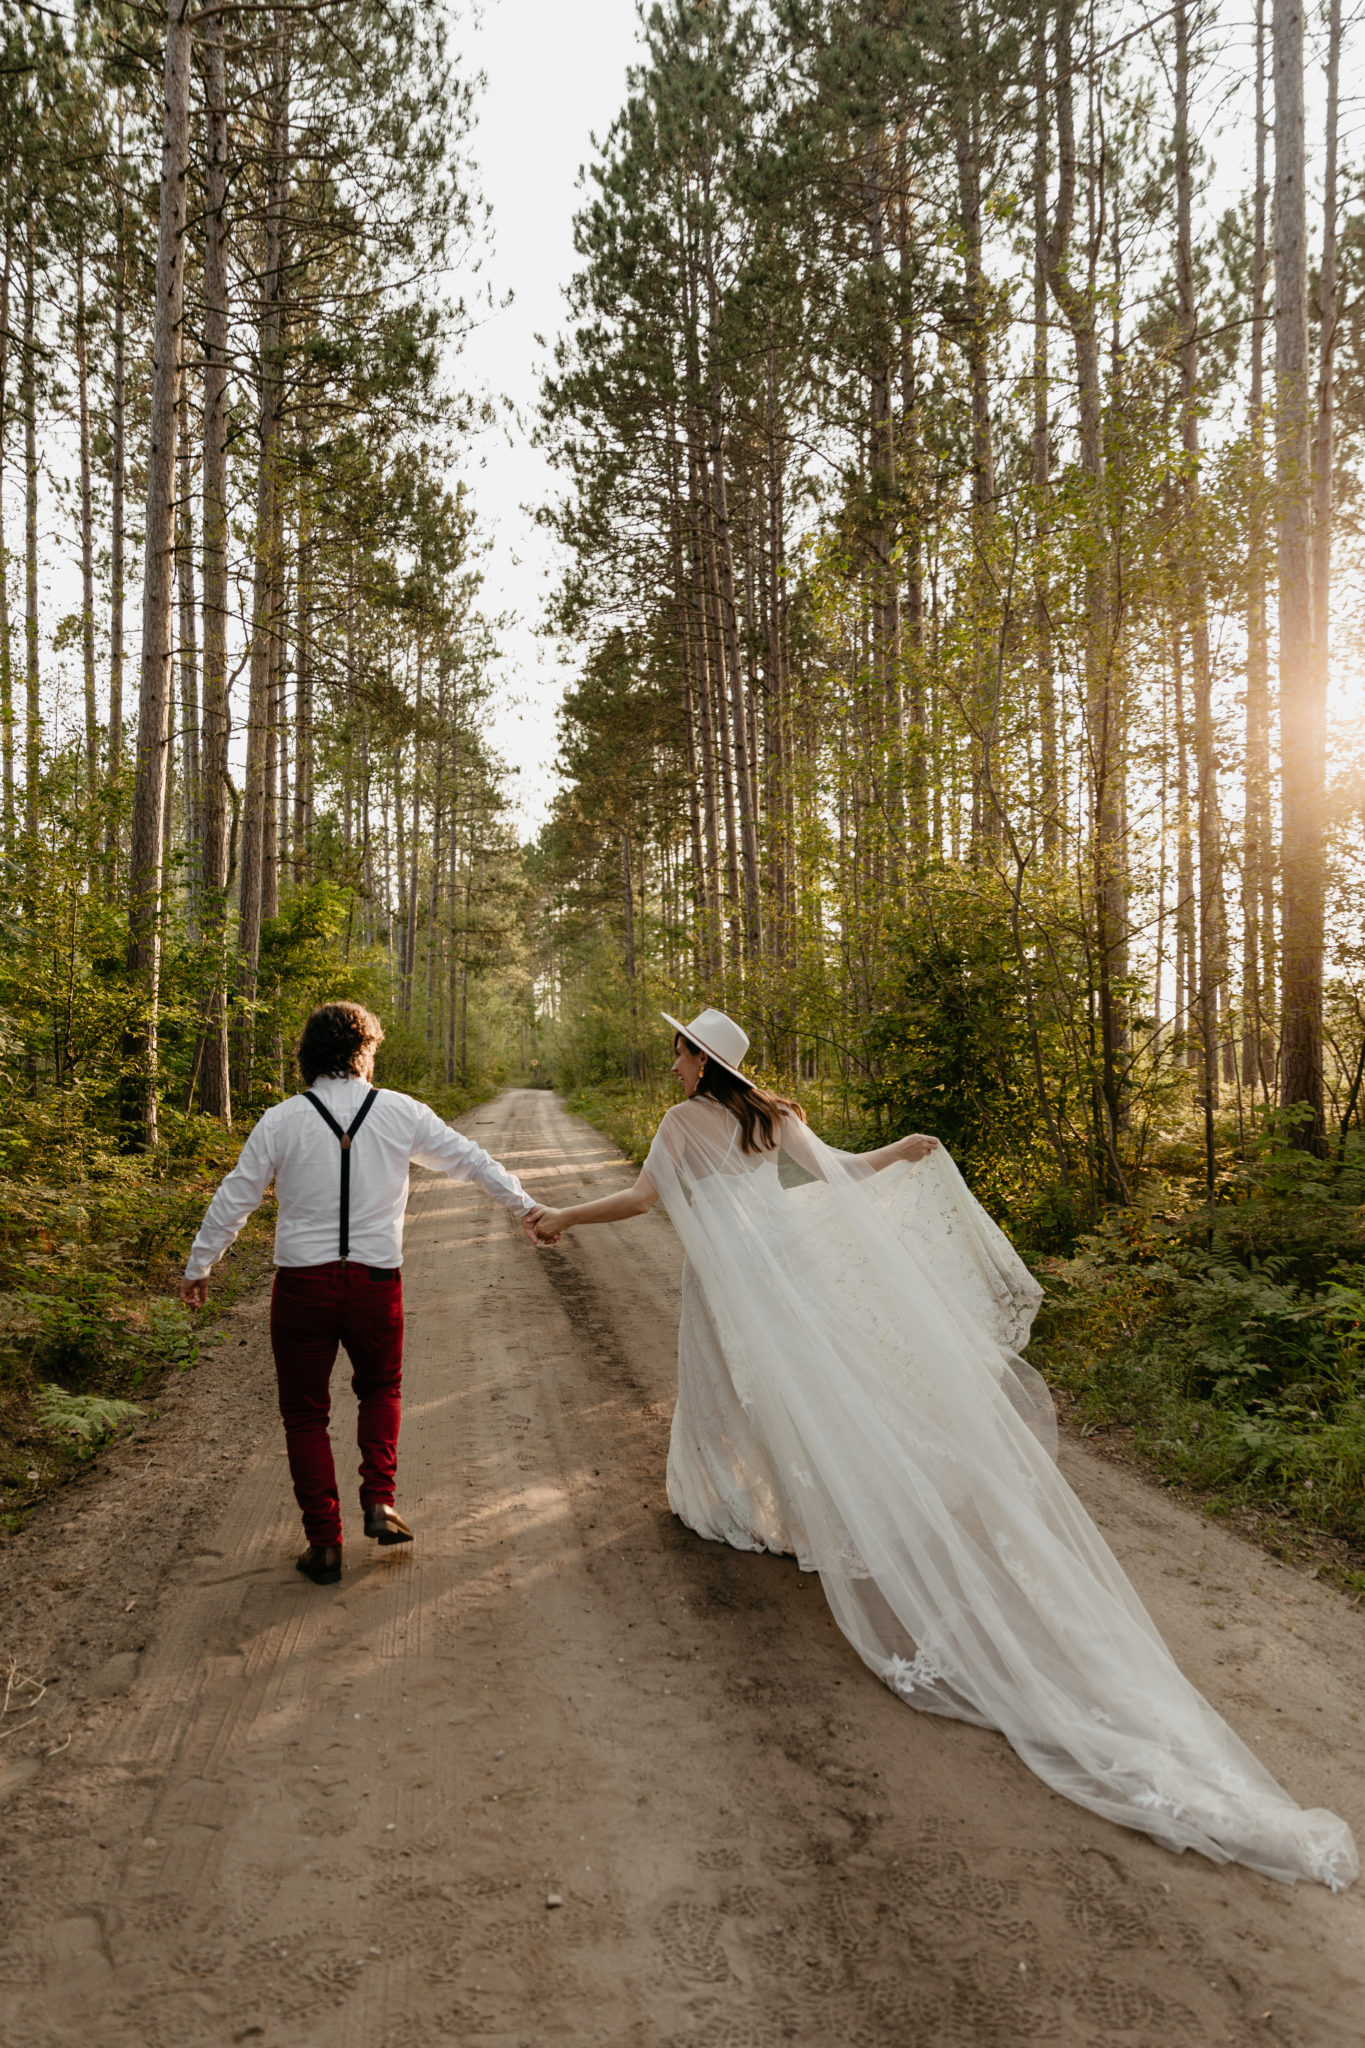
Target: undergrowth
(1230,1341)
(92,1243)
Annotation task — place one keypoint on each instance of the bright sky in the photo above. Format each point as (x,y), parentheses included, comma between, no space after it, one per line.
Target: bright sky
(556,76)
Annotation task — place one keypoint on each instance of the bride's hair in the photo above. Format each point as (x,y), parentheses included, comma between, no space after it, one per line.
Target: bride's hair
(756,1110)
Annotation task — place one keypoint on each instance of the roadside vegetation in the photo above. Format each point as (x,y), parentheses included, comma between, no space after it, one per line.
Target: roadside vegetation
(91,1243)
(1226,1345)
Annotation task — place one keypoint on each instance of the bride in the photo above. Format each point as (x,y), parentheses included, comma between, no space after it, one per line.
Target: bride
(850,1391)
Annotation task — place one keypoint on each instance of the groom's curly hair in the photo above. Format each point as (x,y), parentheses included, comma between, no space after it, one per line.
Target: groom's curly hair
(336,1039)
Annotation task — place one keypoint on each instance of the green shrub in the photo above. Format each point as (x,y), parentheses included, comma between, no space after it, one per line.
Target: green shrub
(1231,1341)
(90,1418)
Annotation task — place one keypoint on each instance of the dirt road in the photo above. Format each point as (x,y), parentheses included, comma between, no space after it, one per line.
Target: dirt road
(301,1816)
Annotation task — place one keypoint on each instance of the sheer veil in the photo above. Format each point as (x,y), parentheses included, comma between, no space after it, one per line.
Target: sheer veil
(869,1324)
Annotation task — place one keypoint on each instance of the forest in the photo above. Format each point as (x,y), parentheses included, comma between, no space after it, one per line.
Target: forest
(958,425)
(956,420)
(243,668)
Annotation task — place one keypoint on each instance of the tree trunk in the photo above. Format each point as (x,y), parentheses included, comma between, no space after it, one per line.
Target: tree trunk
(885,590)
(399,968)
(259,794)
(1049,799)
(634,1063)
(215,1090)
(118,485)
(274,747)
(28,398)
(189,662)
(1103,692)
(92,738)
(1303,735)
(1324,432)
(6,642)
(1184,859)
(1324,436)
(144,880)
(1257,898)
(984,711)
(715,716)
(453,904)
(771,550)
(915,746)
(414,881)
(303,697)
(739,725)
(1205,766)
(435,859)
(718,530)
(699,922)
(700,627)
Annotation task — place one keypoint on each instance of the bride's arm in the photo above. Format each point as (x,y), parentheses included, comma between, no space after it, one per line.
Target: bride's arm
(552,1223)
(797,1143)
(916,1146)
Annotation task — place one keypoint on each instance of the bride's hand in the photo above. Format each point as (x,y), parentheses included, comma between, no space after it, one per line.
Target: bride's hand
(547,1226)
(918,1146)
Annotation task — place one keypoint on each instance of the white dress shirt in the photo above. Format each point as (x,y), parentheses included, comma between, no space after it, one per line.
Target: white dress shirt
(295,1148)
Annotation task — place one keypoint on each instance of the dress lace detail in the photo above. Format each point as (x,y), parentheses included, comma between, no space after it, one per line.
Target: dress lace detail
(1328,1859)
(909,1676)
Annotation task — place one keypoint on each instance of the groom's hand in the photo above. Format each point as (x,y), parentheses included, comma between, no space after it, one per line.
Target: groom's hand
(194,1293)
(528,1224)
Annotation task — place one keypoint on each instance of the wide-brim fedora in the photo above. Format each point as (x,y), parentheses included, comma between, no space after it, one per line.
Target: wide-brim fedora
(719,1037)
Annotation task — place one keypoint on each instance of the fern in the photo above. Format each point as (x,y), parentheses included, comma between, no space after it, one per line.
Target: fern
(89,1418)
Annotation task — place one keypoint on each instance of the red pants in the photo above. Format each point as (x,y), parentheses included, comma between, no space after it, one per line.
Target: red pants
(312,1310)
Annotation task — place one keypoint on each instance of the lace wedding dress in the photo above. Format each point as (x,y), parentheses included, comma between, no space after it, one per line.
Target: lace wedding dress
(850,1391)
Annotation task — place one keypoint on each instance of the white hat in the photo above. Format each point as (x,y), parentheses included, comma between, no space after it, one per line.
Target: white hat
(719,1037)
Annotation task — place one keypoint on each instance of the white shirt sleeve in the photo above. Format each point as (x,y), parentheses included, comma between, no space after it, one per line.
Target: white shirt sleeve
(239,1194)
(444,1150)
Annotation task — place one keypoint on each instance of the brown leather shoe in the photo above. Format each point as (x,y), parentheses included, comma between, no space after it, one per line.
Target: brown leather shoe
(321,1564)
(384,1523)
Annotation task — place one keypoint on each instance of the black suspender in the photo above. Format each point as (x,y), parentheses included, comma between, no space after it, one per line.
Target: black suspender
(345,1136)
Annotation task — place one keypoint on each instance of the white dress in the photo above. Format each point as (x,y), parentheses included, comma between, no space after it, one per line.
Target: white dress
(850,1391)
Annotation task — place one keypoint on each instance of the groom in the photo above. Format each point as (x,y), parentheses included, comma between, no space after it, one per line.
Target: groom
(339,1156)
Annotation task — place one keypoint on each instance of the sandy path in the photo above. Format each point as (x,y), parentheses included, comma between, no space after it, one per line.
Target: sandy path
(303,1817)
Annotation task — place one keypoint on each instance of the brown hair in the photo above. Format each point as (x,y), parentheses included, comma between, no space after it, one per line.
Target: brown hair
(336,1039)
(756,1110)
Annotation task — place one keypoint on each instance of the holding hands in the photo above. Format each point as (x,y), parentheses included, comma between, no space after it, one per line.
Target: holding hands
(543,1226)
(547,1226)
